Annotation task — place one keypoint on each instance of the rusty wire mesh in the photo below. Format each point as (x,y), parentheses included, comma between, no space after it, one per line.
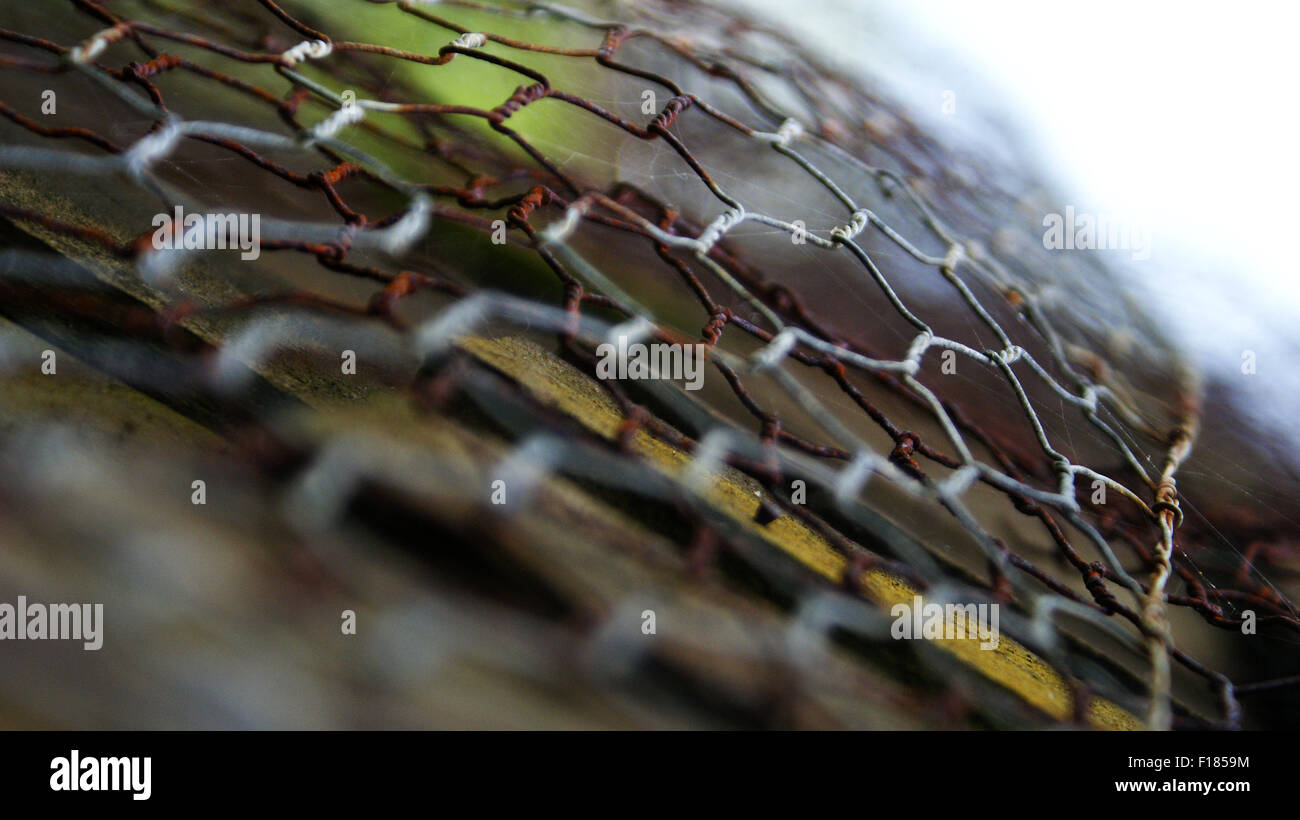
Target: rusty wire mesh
(654,227)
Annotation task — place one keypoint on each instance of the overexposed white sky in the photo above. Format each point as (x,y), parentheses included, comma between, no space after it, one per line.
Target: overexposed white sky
(1179,117)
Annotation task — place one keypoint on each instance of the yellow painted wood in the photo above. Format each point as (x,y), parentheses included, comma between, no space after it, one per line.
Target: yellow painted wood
(1011,665)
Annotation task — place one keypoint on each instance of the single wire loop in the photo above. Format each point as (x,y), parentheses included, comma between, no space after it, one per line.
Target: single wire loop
(307,50)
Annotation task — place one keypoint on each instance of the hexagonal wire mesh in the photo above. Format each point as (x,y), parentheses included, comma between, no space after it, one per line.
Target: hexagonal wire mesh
(924,399)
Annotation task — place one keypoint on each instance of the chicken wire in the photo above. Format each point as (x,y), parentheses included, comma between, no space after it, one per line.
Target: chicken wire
(596,220)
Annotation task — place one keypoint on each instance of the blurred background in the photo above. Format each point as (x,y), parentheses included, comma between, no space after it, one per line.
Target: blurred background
(1176,117)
